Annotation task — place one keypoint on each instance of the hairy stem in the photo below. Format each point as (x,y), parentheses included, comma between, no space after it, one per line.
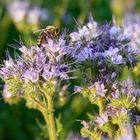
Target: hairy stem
(50,115)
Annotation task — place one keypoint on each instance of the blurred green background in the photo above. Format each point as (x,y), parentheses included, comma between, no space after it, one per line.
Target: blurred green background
(20,19)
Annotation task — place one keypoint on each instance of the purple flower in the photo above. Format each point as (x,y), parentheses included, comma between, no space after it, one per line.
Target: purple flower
(92,25)
(87,32)
(5,72)
(115,31)
(125,88)
(6,93)
(81,53)
(114,111)
(28,54)
(86,53)
(115,94)
(107,45)
(49,72)
(31,75)
(40,60)
(75,36)
(55,50)
(11,68)
(112,53)
(127,137)
(63,71)
(52,71)
(100,89)
(9,63)
(84,32)
(128,88)
(102,119)
(77,89)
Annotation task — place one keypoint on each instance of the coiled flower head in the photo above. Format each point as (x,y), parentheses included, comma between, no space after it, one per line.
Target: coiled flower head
(36,68)
(106,47)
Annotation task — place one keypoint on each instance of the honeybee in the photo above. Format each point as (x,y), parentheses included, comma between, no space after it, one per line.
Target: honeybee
(51,32)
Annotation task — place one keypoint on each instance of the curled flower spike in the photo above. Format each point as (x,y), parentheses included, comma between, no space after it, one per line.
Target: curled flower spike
(93,92)
(124,94)
(37,65)
(101,120)
(126,87)
(36,75)
(87,32)
(104,49)
(31,75)
(100,89)
(113,55)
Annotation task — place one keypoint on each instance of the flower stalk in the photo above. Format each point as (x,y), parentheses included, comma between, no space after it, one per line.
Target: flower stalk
(101,104)
(50,116)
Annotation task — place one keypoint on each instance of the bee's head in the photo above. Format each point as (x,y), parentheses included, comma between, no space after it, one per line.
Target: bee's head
(50,27)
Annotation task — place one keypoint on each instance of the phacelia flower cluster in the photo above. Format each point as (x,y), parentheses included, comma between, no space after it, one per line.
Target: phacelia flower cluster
(35,68)
(107,46)
(120,114)
(93,92)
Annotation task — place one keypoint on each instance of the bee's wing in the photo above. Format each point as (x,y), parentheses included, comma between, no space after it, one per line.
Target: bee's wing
(40,30)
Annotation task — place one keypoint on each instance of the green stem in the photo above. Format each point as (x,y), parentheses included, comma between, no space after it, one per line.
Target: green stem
(50,115)
(101,103)
(45,117)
